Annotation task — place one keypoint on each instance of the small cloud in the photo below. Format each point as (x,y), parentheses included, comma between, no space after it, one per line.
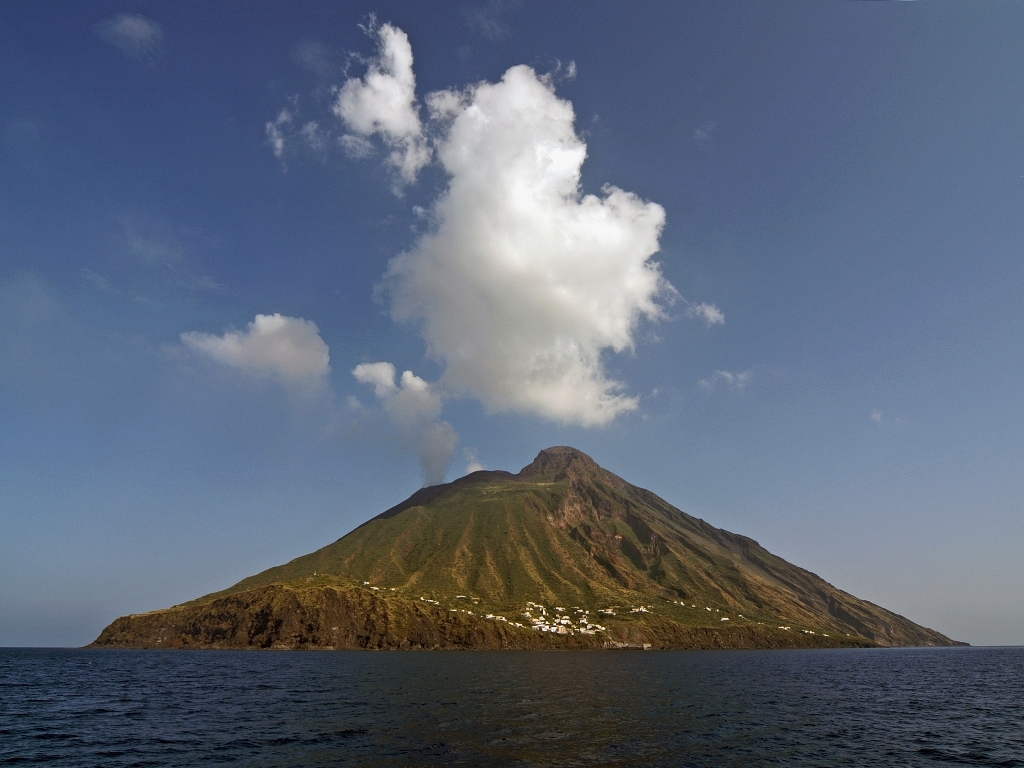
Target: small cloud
(383,102)
(276,130)
(702,134)
(356,147)
(98,282)
(286,348)
(876,416)
(488,21)
(316,138)
(134,35)
(709,313)
(163,257)
(734,382)
(154,252)
(317,59)
(561,73)
(204,283)
(472,461)
(284,135)
(380,375)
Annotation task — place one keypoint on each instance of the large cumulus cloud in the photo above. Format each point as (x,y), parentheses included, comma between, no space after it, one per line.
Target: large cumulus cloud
(522,282)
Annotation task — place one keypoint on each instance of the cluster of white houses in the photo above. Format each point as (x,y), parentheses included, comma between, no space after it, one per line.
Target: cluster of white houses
(562,621)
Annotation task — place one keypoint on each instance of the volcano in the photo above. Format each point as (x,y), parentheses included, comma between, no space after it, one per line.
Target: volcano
(564,554)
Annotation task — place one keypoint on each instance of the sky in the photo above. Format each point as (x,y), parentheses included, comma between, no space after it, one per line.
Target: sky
(267,268)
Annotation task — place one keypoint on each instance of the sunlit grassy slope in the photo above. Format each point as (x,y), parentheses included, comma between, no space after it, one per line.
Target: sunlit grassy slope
(565,531)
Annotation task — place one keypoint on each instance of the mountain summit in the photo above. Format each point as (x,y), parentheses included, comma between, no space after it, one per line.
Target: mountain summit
(562,554)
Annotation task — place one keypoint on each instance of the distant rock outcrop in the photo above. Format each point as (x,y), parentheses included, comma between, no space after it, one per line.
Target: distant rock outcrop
(562,555)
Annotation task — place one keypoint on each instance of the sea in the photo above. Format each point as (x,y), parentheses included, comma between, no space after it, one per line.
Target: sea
(864,707)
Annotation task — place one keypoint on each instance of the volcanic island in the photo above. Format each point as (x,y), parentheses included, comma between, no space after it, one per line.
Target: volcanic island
(562,555)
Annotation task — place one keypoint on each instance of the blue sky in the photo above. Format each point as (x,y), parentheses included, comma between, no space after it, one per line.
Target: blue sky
(763,259)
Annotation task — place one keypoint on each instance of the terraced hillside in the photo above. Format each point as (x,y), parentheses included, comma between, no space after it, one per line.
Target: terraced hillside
(562,552)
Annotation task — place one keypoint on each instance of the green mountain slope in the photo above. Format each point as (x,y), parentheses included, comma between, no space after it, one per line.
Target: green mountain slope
(565,538)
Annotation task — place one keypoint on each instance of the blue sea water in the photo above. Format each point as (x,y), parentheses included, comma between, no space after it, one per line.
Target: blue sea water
(912,707)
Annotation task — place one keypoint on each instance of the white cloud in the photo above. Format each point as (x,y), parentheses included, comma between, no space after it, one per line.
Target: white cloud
(162,258)
(355,147)
(380,375)
(383,102)
(314,136)
(284,134)
(524,283)
(134,35)
(876,416)
(316,58)
(414,407)
(709,313)
(287,348)
(703,132)
(488,20)
(276,130)
(154,252)
(99,282)
(735,382)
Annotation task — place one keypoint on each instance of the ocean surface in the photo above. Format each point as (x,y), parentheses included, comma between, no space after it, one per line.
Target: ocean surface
(962,706)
